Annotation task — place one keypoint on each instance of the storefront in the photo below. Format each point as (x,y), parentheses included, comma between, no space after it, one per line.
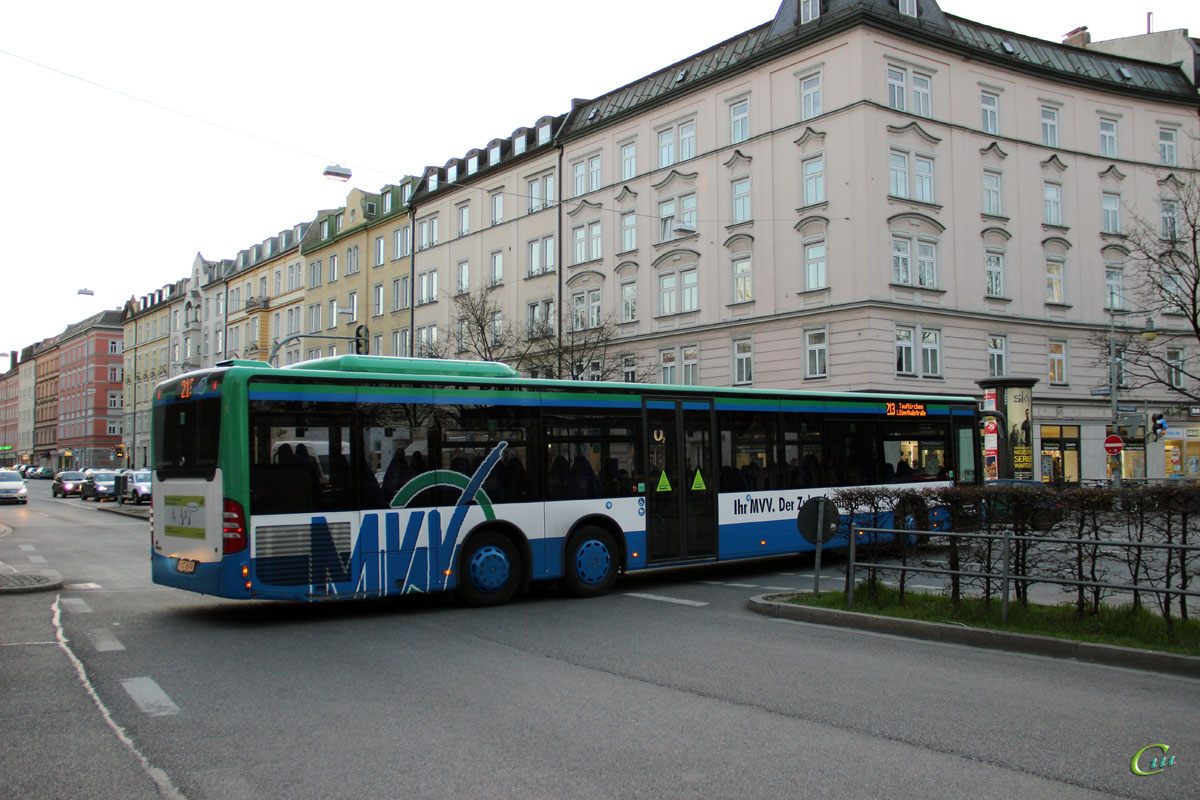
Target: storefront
(1060,453)
(1181,457)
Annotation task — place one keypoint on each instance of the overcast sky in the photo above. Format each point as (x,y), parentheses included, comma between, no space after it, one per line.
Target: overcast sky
(136,134)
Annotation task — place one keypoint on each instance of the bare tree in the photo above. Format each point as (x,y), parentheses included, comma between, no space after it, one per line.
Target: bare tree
(1164,257)
(586,350)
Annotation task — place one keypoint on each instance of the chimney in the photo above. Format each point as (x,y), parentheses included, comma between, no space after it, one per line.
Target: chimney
(1078,37)
(12,355)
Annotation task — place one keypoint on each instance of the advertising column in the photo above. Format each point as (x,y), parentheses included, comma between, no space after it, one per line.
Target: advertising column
(1008,439)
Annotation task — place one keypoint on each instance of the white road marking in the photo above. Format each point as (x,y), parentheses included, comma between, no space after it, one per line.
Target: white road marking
(28,548)
(781,588)
(82,586)
(37,559)
(76,606)
(662,599)
(743,585)
(165,787)
(104,641)
(149,697)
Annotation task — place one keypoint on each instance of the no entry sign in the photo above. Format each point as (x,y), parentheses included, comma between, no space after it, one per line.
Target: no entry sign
(1114,444)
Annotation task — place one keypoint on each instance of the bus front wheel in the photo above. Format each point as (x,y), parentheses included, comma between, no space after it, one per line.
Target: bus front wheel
(490,570)
(590,562)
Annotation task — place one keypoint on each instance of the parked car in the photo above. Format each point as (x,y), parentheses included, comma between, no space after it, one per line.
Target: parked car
(134,486)
(41,473)
(66,483)
(12,487)
(98,484)
(1044,508)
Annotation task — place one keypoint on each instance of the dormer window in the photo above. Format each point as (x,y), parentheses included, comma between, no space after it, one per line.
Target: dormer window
(809,10)
(494,155)
(544,133)
(406,193)
(452,173)
(387,202)
(472,165)
(433,181)
(519,144)
(324,229)
(908,8)
(338,222)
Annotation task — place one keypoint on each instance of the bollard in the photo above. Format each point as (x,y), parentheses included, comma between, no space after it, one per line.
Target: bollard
(850,568)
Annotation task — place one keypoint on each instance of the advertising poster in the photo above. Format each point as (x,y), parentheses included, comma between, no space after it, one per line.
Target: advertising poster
(1019,409)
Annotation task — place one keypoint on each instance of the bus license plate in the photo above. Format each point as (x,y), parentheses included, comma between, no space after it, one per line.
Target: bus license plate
(186,565)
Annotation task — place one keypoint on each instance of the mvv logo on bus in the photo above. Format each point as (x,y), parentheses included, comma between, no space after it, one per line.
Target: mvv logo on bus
(1156,764)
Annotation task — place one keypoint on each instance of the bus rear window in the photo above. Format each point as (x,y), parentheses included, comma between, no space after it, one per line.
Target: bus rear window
(188,435)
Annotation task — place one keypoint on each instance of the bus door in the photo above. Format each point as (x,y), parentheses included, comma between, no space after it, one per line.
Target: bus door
(681,490)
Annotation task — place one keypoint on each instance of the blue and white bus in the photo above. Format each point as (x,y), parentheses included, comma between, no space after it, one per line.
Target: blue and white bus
(367,476)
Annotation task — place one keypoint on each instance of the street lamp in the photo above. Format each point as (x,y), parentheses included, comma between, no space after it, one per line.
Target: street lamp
(1149,334)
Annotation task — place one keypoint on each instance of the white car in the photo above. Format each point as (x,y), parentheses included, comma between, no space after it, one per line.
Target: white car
(137,487)
(12,487)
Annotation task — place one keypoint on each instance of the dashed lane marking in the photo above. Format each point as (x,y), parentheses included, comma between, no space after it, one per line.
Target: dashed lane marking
(662,599)
(37,559)
(149,697)
(76,606)
(104,641)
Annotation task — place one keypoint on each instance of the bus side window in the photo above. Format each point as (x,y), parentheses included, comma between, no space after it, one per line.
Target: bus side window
(803,464)
(747,452)
(395,444)
(589,454)
(854,458)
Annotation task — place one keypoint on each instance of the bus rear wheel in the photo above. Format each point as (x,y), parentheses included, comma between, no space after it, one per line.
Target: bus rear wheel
(590,562)
(490,570)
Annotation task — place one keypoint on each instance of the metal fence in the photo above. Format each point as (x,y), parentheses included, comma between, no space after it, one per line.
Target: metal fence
(1006,577)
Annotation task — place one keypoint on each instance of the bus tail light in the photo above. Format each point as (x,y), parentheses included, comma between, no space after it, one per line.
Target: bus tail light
(234,527)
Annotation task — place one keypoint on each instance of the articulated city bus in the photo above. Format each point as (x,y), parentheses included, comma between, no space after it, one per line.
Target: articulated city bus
(367,476)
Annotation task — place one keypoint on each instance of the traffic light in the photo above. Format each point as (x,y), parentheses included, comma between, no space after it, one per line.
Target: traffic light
(1158,424)
(361,343)
(120,451)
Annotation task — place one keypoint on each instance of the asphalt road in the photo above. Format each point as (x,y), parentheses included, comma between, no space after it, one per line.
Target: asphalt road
(668,687)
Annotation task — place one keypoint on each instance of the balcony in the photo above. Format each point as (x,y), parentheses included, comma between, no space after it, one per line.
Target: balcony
(257,303)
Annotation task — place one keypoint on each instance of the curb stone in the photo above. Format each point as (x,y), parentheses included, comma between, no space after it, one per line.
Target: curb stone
(1112,655)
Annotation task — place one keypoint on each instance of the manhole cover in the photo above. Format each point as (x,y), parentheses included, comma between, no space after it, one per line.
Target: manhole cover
(19,582)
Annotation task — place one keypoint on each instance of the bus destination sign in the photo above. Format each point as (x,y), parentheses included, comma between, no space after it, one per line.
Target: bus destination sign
(906,409)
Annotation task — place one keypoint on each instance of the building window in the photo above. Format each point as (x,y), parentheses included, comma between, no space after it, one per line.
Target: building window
(587,241)
(497,207)
(809,10)
(677,143)
(1175,374)
(353,298)
(743,361)
(1170,220)
(628,301)
(463,284)
(904,350)
(1050,126)
(427,233)
(628,160)
(1052,203)
(678,292)
(427,341)
(543,133)
(1108,137)
(540,316)
(992,198)
(496,275)
(402,241)
(628,231)
(814,265)
(1110,212)
(668,226)
(427,287)
(1054,282)
(1114,288)
(813,170)
(376,301)
(742,286)
(1166,146)
(401,291)
(1057,356)
(816,354)
(739,121)
(541,192)
(931,352)
(464,219)
(989,109)
(902,273)
(908,8)
(899,79)
(993,264)
(667,366)
(997,348)
(741,200)
(910,176)
(586,172)
(690,356)
(493,155)
(452,173)
(810,96)
(629,368)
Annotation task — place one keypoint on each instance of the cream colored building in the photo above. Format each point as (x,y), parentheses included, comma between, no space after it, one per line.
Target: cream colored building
(261,302)
(147,342)
(854,196)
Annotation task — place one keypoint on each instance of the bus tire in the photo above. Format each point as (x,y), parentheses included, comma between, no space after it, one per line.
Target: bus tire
(590,562)
(489,570)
